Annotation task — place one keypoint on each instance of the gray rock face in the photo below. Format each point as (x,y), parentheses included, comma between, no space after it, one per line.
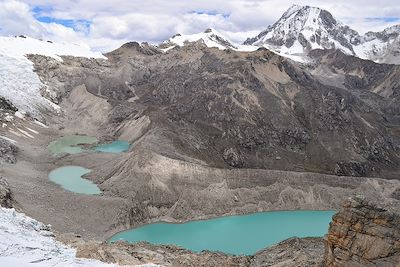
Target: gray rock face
(362,234)
(8,151)
(6,199)
(232,157)
(6,105)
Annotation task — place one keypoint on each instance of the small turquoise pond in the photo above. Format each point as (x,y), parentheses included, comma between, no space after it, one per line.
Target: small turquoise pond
(70,178)
(70,144)
(113,147)
(236,235)
(73,144)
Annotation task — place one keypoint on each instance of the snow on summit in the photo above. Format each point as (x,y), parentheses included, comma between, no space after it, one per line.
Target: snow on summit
(304,28)
(210,37)
(18,82)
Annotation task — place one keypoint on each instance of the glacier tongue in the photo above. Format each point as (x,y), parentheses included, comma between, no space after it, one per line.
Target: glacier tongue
(18,82)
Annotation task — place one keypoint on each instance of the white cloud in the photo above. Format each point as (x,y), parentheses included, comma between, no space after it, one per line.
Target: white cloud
(115,22)
(16,18)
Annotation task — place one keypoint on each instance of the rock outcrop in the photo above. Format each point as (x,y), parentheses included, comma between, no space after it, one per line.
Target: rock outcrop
(362,234)
(144,253)
(8,151)
(299,252)
(6,199)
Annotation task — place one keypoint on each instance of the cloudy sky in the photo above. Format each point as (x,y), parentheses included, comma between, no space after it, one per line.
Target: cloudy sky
(106,24)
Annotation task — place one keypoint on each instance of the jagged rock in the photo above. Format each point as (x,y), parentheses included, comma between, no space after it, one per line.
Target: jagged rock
(352,168)
(8,151)
(6,105)
(299,252)
(362,234)
(233,158)
(6,199)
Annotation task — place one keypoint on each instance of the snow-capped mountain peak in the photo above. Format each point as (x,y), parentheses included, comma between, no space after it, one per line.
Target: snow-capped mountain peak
(210,37)
(303,28)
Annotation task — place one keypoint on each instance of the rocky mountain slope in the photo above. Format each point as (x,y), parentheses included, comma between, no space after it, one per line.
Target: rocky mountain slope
(304,28)
(245,110)
(217,132)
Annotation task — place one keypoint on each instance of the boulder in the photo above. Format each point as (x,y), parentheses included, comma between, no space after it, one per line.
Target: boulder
(6,199)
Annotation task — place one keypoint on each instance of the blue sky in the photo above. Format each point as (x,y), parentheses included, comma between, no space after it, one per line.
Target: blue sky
(105,24)
(385,19)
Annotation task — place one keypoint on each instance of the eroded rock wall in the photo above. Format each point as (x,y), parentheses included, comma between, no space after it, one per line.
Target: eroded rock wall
(362,234)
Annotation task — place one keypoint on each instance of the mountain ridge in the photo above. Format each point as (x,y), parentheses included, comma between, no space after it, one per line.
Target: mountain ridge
(302,29)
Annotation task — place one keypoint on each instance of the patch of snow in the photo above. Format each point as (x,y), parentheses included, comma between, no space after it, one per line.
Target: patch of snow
(31,130)
(26,133)
(9,117)
(19,114)
(168,48)
(27,242)
(296,48)
(247,48)
(8,139)
(40,124)
(15,133)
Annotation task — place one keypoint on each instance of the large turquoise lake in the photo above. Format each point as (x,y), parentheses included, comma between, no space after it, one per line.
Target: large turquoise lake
(236,235)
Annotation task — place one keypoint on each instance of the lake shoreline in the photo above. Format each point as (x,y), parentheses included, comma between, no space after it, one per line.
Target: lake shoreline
(229,234)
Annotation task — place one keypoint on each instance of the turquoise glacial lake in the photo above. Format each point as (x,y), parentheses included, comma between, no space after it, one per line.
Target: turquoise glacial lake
(113,147)
(70,144)
(238,235)
(73,144)
(70,178)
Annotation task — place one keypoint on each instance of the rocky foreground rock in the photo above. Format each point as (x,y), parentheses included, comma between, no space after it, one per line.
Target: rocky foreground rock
(362,234)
